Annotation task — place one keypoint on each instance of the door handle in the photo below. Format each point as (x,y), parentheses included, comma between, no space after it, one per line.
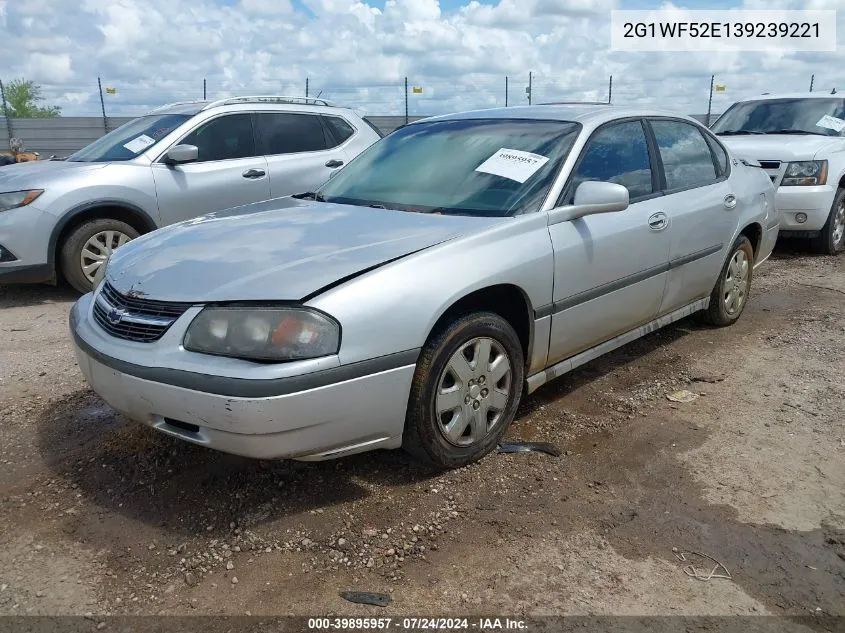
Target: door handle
(334,163)
(658,221)
(730,201)
(254,173)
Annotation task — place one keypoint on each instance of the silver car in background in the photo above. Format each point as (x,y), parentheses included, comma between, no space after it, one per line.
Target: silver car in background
(178,162)
(411,300)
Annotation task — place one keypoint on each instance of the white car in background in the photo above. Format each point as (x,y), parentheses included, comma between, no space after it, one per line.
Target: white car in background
(800,141)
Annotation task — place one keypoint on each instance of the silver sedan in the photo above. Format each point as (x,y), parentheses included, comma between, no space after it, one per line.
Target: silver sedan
(411,301)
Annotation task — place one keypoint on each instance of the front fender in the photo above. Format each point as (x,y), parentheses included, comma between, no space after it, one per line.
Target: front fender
(395,307)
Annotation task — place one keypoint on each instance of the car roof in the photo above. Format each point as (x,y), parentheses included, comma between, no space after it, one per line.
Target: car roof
(591,114)
(793,95)
(195,107)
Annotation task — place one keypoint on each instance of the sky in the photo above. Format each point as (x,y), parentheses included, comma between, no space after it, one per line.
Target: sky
(358,53)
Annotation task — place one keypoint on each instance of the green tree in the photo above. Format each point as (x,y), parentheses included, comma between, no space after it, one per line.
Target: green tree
(22,99)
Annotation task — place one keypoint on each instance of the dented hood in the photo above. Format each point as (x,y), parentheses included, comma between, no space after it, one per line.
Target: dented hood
(284,249)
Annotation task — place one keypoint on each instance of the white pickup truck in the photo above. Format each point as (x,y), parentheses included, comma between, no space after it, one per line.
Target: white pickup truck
(799,139)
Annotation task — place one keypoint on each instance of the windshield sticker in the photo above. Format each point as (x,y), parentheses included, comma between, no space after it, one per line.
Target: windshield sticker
(831,123)
(139,144)
(513,164)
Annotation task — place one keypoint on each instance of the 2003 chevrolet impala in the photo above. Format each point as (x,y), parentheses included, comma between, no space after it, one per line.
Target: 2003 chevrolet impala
(456,264)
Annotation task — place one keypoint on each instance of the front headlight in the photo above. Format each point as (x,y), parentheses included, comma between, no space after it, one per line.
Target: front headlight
(15,199)
(807,172)
(263,333)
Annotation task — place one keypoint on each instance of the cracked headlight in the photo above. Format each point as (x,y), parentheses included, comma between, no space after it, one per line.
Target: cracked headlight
(263,333)
(805,173)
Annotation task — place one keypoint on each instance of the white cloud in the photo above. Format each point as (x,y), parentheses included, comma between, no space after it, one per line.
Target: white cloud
(267,7)
(155,51)
(49,68)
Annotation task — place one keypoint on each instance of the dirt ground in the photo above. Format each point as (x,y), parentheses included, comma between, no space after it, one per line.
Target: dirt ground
(104,516)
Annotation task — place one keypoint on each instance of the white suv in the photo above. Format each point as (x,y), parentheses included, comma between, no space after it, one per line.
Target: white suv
(800,141)
(173,164)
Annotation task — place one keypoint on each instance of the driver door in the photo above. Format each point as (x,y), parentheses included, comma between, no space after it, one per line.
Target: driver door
(610,269)
(228,172)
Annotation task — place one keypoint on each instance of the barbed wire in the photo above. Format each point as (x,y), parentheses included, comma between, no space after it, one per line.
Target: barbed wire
(423,95)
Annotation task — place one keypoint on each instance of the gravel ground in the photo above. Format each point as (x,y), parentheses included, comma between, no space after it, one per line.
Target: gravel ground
(102,516)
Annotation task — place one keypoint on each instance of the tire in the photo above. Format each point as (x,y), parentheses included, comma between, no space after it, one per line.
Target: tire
(831,240)
(109,233)
(425,435)
(734,277)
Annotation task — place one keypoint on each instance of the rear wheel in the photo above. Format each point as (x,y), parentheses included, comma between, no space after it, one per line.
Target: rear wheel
(728,299)
(831,240)
(465,392)
(86,249)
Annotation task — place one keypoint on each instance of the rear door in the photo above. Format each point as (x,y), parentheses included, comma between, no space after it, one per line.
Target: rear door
(301,151)
(228,173)
(610,269)
(701,205)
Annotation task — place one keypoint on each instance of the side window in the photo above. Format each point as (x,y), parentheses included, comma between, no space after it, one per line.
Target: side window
(290,133)
(341,130)
(616,153)
(223,138)
(720,154)
(687,160)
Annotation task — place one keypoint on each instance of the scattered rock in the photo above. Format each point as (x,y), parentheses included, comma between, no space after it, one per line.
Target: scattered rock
(681,396)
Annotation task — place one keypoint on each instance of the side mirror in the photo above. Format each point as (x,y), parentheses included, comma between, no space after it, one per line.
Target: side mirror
(592,197)
(181,154)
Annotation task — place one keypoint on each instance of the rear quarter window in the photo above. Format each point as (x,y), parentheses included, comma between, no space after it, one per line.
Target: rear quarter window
(340,129)
(720,155)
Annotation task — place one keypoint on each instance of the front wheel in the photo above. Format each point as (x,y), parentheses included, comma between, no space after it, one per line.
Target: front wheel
(729,296)
(89,245)
(465,392)
(831,240)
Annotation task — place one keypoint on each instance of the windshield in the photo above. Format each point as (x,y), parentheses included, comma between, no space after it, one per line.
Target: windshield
(784,116)
(485,167)
(130,139)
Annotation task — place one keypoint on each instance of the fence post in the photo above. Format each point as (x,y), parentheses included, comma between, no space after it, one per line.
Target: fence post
(6,111)
(406,101)
(710,100)
(812,80)
(204,97)
(103,106)
(610,90)
(307,86)
(530,86)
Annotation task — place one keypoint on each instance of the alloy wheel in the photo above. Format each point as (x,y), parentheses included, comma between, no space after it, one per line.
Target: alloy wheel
(97,250)
(839,224)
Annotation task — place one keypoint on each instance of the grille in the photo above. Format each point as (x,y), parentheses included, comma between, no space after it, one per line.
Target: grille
(772,168)
(132,318)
